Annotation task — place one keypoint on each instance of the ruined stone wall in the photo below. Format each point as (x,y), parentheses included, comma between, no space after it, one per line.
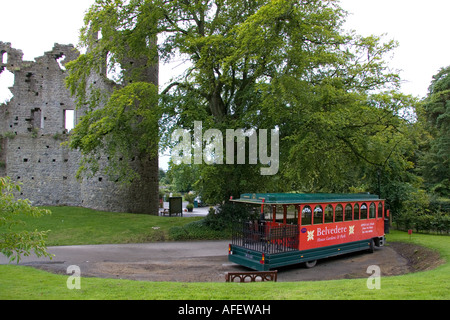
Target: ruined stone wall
(32,128)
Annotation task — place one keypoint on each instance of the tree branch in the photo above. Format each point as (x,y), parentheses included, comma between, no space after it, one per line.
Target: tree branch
(356,152)
(184,86)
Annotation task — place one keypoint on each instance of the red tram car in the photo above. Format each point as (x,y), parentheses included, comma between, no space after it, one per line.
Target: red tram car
(296,228)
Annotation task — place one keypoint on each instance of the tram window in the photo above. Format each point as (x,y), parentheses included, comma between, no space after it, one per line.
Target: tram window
(372,211)
(329,214)
(267,212)
(380,210)
(339,213)
(278,213)
(348,212)
(318,215)
(306,216)
(363,211)
(356,212)
(291,216)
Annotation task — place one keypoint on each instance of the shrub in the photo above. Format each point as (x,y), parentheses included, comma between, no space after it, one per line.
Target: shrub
(227,214)
(196,230)
(433,222)
(14,245)
(440,204)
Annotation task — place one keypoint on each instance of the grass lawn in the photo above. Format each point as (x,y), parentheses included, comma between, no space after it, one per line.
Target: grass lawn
(18,282)
(79,226)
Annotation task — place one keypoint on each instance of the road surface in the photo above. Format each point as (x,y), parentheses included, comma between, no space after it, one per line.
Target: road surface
(201,261)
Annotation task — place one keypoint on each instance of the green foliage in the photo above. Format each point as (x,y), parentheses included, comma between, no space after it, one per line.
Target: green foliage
(261,64)
(182,176)
(436,222)
(227,215)
(217,183)
(440,204)
(15,244)
(8,135)
(217,224)
(120,123)
(124,129)
(419,214)
(189,197)
(197,230)
(34,133)
(435,116)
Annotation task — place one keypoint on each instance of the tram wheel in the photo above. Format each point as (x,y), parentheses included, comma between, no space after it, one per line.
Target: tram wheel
(310,264)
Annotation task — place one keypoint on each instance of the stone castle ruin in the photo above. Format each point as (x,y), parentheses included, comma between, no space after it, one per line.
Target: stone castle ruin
(35,122)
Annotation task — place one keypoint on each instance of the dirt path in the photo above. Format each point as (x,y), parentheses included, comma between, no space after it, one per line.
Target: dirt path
(208,262)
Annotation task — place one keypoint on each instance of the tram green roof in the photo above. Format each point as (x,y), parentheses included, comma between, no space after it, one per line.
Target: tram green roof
(297,198)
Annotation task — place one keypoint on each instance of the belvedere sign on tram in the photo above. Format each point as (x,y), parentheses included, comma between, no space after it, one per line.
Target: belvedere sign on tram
(296,228)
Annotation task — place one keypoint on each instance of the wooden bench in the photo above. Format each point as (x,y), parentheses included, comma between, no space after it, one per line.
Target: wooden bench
(163,212)
(167,211)
(252,276)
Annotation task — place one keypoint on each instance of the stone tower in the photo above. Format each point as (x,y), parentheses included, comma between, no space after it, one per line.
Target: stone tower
(34,123)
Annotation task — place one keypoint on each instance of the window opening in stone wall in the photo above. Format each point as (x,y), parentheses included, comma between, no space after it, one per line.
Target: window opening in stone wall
(60,59)
(69,119)
(4,57)
(36,118)
(28,77)
(6,82)
(114,69)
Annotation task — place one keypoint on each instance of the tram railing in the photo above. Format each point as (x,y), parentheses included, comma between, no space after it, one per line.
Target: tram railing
(266,236)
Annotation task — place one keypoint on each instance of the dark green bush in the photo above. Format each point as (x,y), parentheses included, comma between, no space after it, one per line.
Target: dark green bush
(228,214)
(196,230)
(433,222)
(440,204)
(216,225)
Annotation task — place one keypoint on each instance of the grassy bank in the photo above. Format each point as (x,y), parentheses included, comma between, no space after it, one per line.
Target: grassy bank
(28,283)
(18,282)
(79,226)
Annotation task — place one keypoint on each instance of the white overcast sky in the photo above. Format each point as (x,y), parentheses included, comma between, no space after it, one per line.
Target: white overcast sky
(421,27)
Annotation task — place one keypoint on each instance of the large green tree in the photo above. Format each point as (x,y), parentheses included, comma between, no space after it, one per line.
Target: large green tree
(435,115)
(258,64)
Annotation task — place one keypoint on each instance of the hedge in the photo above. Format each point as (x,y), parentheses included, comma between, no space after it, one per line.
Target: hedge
(437,222)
